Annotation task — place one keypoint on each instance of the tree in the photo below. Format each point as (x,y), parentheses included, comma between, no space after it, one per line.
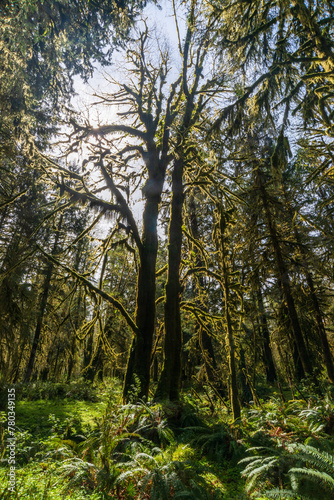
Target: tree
(148,119)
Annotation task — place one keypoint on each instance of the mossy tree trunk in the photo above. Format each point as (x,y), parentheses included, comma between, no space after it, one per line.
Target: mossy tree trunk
(284,279)
(42,307)
(205,340)
(328,358)
(222,221)
(170,379)
(190,104)
(264,330)
(139,361)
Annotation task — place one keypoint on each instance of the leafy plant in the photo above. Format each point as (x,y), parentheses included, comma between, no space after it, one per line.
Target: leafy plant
(266,469)
(77,390)
(314,480)
(159,477)
(215,442)
(312,477)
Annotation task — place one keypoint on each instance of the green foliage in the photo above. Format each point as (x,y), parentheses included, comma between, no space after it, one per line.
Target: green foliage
(315,479)
(132,453)
(269,468)
(217,442)
(312,476)
(158,478)
(277,422)
(129,453)
(76,390)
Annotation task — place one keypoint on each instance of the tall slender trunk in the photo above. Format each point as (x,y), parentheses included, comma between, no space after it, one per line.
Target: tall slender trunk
(16,371)
(225,270)
(328,358)
(284,279)
(73,348)
(55,374)
(231,359)
(321,327)
(43,302)
(205,339)
(170,379)
(45,372)
(265,335)
(95,368)
(285,324)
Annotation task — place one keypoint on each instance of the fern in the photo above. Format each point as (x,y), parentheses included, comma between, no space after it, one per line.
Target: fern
(266,469)
(314,481)
(79,472)
(282,494)
(317,477)
(214,442)
(159,480)
(320,459)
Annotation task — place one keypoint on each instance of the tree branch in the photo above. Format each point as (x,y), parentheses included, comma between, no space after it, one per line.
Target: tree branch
(95,289)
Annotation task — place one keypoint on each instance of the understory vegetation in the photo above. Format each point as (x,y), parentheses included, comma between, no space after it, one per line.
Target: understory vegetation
(167,249)
(78,441)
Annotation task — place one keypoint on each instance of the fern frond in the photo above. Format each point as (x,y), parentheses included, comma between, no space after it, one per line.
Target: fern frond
(320,459)
(255,474)
(313,475)
(130,473)
(281,494)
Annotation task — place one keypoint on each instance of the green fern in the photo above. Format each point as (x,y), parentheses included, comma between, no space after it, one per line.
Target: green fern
(317,477)
(313,481)
(79,472)
(157,478)
(282,494)
(217,443)
(268,468)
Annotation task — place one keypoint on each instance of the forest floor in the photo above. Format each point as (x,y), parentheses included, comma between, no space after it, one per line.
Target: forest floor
(77,441)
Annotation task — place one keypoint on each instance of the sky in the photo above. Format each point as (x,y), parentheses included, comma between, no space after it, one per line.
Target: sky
(161,25)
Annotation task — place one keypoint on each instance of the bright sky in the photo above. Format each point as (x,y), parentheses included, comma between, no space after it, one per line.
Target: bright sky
(162,27)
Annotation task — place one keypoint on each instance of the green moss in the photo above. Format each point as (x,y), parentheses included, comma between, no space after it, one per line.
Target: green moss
(34,416)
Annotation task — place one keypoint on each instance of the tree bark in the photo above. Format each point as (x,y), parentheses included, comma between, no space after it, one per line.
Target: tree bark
(265,335)
(170,379)
(139,361)
(328,358)
(224,264)
(285,280)
(205,340)
(43,303)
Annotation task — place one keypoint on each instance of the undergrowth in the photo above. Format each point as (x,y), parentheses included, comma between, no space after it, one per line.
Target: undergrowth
(97,448)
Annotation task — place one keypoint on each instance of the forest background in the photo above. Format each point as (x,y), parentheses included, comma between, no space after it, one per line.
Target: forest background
(172,236)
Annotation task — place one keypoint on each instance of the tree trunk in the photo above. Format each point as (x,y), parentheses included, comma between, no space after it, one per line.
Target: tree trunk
(315,302)
(318,314)
(170,379)
(43,303)
(265,336)
(285,281)
(95,367)
(205,340)
(139,362)
(224,264)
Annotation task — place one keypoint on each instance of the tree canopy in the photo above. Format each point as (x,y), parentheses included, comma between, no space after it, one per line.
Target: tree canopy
(185,236)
